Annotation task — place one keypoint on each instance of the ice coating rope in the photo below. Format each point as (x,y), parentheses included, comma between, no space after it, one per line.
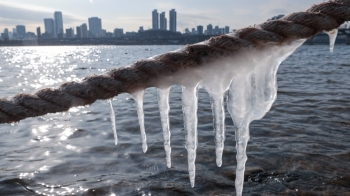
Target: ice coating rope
(252,92)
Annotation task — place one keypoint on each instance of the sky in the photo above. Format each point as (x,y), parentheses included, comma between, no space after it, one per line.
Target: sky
(131,14)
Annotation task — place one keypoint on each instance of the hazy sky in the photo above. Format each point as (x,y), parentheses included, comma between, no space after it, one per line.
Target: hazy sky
(131,14)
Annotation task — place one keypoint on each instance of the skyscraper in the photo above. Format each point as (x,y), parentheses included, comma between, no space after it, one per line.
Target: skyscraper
(162,21)
(172,18)
(78,28)
(49,27)
(70,33)
(209,29)
(84,31)
(155,20)
(118,33)
(21,31)
(95,26)
(38,32)
(58,24)
(227,29)
(200,30)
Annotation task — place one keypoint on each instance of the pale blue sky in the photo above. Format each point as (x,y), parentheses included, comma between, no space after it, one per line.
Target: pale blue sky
(134,13)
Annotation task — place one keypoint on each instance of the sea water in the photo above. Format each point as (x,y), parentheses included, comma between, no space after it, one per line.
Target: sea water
(74,152)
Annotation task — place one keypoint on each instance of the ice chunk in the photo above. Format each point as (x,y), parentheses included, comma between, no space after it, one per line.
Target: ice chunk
(138,95)
(163,102)
(112,115)
(332,38)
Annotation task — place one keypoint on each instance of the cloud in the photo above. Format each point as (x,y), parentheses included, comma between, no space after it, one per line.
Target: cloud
(91,1)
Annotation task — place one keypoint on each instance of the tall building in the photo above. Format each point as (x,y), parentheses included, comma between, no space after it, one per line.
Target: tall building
(209,29)
(118,32)
(200,30)
(155,20)
(58,24)
(21,31)
(95,26)
(5,35)
(162,21)
(49,27)
(227,29)
(172,18)
(38,32)
(84,31)
(217,30)
(70,33)
(78,28)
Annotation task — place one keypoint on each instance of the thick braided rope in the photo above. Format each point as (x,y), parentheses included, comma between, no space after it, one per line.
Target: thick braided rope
(300,25)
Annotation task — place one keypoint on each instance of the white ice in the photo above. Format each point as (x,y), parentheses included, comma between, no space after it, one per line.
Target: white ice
(112,115)
(249,77)
(332,38)
(138,95)
(189,107)
(163,102)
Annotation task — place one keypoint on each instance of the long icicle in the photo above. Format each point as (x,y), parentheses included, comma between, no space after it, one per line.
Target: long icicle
(163,102)
(332,38)
(189,107)
(238,107)
(217,104)
(112,115)
(139,101)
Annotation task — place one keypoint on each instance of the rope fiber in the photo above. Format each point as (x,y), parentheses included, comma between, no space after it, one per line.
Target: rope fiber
(142,74)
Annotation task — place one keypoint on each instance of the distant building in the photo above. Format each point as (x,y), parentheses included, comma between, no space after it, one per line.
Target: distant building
(70,33)
(30,35)
(194,32)
(209,29)
(155,19)
(163,21)
(95,26)
(118,32)
(172,18)
(58,24)
(200,30)
(276,17)
(21,31)
(216,30)
(84,31)
(227,29)
(49,27)
(141,29)
(78,29)
(187,31)
(38,32)
(5,34)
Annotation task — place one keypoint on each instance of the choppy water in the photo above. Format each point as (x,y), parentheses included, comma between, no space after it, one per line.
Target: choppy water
(301,147)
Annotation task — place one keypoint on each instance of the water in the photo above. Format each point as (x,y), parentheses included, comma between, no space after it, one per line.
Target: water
(300,146)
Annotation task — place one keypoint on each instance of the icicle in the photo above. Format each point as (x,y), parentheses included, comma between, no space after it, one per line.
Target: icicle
(189,107)
(332,38)
(217,104)
(163,102)
(112,115)
(139,101)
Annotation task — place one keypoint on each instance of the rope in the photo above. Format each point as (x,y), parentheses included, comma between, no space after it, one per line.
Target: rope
(142,74)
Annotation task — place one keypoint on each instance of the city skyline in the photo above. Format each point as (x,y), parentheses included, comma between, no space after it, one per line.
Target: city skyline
(235,13)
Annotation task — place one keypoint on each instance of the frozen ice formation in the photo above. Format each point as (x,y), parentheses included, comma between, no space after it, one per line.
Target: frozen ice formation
(332,38)
(249,80)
